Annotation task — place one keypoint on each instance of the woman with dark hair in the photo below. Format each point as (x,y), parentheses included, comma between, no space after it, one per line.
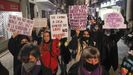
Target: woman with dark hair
(49,53)
(15,43)
(89,63)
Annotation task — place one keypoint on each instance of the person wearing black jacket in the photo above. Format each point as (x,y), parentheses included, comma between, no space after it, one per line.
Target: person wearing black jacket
(15,43)
(89,63)
(109,53)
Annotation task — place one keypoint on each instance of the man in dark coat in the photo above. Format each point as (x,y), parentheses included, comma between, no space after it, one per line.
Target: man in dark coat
(15,43)
(109,53)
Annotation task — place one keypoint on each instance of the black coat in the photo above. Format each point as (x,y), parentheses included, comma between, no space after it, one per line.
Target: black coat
(65,53)
(3,70)
(109,53)
(14,47)
(74,70)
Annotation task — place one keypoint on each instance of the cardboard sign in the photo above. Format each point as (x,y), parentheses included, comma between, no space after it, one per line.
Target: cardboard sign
(114,21)
(59,26)
(40,22)
(78,16)
(1,26)
(21,25)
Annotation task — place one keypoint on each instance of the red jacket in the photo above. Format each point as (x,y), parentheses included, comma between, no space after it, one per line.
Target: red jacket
(50,61)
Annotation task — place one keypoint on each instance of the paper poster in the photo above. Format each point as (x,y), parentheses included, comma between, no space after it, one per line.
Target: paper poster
(40,22)
(59,26)
(114,21)
(78,16)
(21,25)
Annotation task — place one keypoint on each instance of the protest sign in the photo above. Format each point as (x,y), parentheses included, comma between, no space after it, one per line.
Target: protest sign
(21,25)
(40,22)
(78,16)
(114,21)
(1,26)
(59,26)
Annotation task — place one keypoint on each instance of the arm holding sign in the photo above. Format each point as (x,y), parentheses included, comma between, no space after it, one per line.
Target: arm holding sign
(13,43)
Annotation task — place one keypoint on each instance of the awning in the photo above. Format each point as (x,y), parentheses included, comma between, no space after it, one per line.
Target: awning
(45,5)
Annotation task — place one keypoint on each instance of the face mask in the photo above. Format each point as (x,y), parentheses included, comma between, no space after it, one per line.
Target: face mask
(28,66)
(90,67)
(23,44)
(108,34)
(85,38)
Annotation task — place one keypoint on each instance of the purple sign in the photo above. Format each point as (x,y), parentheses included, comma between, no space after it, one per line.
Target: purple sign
(78,16)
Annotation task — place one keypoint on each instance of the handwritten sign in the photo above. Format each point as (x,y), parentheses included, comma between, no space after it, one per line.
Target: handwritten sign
(40,22)
(1,26)
(59,26)
(78,16)
(114,21)
(21,25)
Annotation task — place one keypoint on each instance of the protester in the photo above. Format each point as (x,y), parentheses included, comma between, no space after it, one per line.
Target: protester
(49,53)
(109,54)
(127,64)
(35,36)
(16,42)
(29,56)
(89,63)
(73,44)
(87,39)
(65,55)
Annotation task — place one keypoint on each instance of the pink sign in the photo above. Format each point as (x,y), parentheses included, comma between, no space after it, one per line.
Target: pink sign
(78,16)
(20,25)
(114,21)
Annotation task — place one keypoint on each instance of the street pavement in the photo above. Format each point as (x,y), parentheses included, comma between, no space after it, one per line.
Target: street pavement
(7,59)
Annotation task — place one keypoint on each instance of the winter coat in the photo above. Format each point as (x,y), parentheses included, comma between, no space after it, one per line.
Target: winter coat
(31,69)
(73,44)
(109,53)
(49,54)
(65,53)
(14,47)
(76,69)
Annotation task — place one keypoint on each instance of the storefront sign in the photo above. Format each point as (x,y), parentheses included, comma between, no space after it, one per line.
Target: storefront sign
(1,26)
(59,26)
(78,16)
(40,22)
(9,6)
(20,25)
(114,21)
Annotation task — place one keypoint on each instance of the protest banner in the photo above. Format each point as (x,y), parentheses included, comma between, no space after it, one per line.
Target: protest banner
(40,22)
(78,16)
(114,21)
(21,25)
(59,26)
(1,26)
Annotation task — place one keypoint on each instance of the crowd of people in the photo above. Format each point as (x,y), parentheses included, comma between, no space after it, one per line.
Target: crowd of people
(94,50)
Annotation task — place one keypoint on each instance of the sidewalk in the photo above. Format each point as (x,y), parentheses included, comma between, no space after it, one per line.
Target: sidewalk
(7,60)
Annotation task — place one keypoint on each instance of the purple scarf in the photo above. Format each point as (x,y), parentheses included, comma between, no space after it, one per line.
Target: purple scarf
(97,71)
